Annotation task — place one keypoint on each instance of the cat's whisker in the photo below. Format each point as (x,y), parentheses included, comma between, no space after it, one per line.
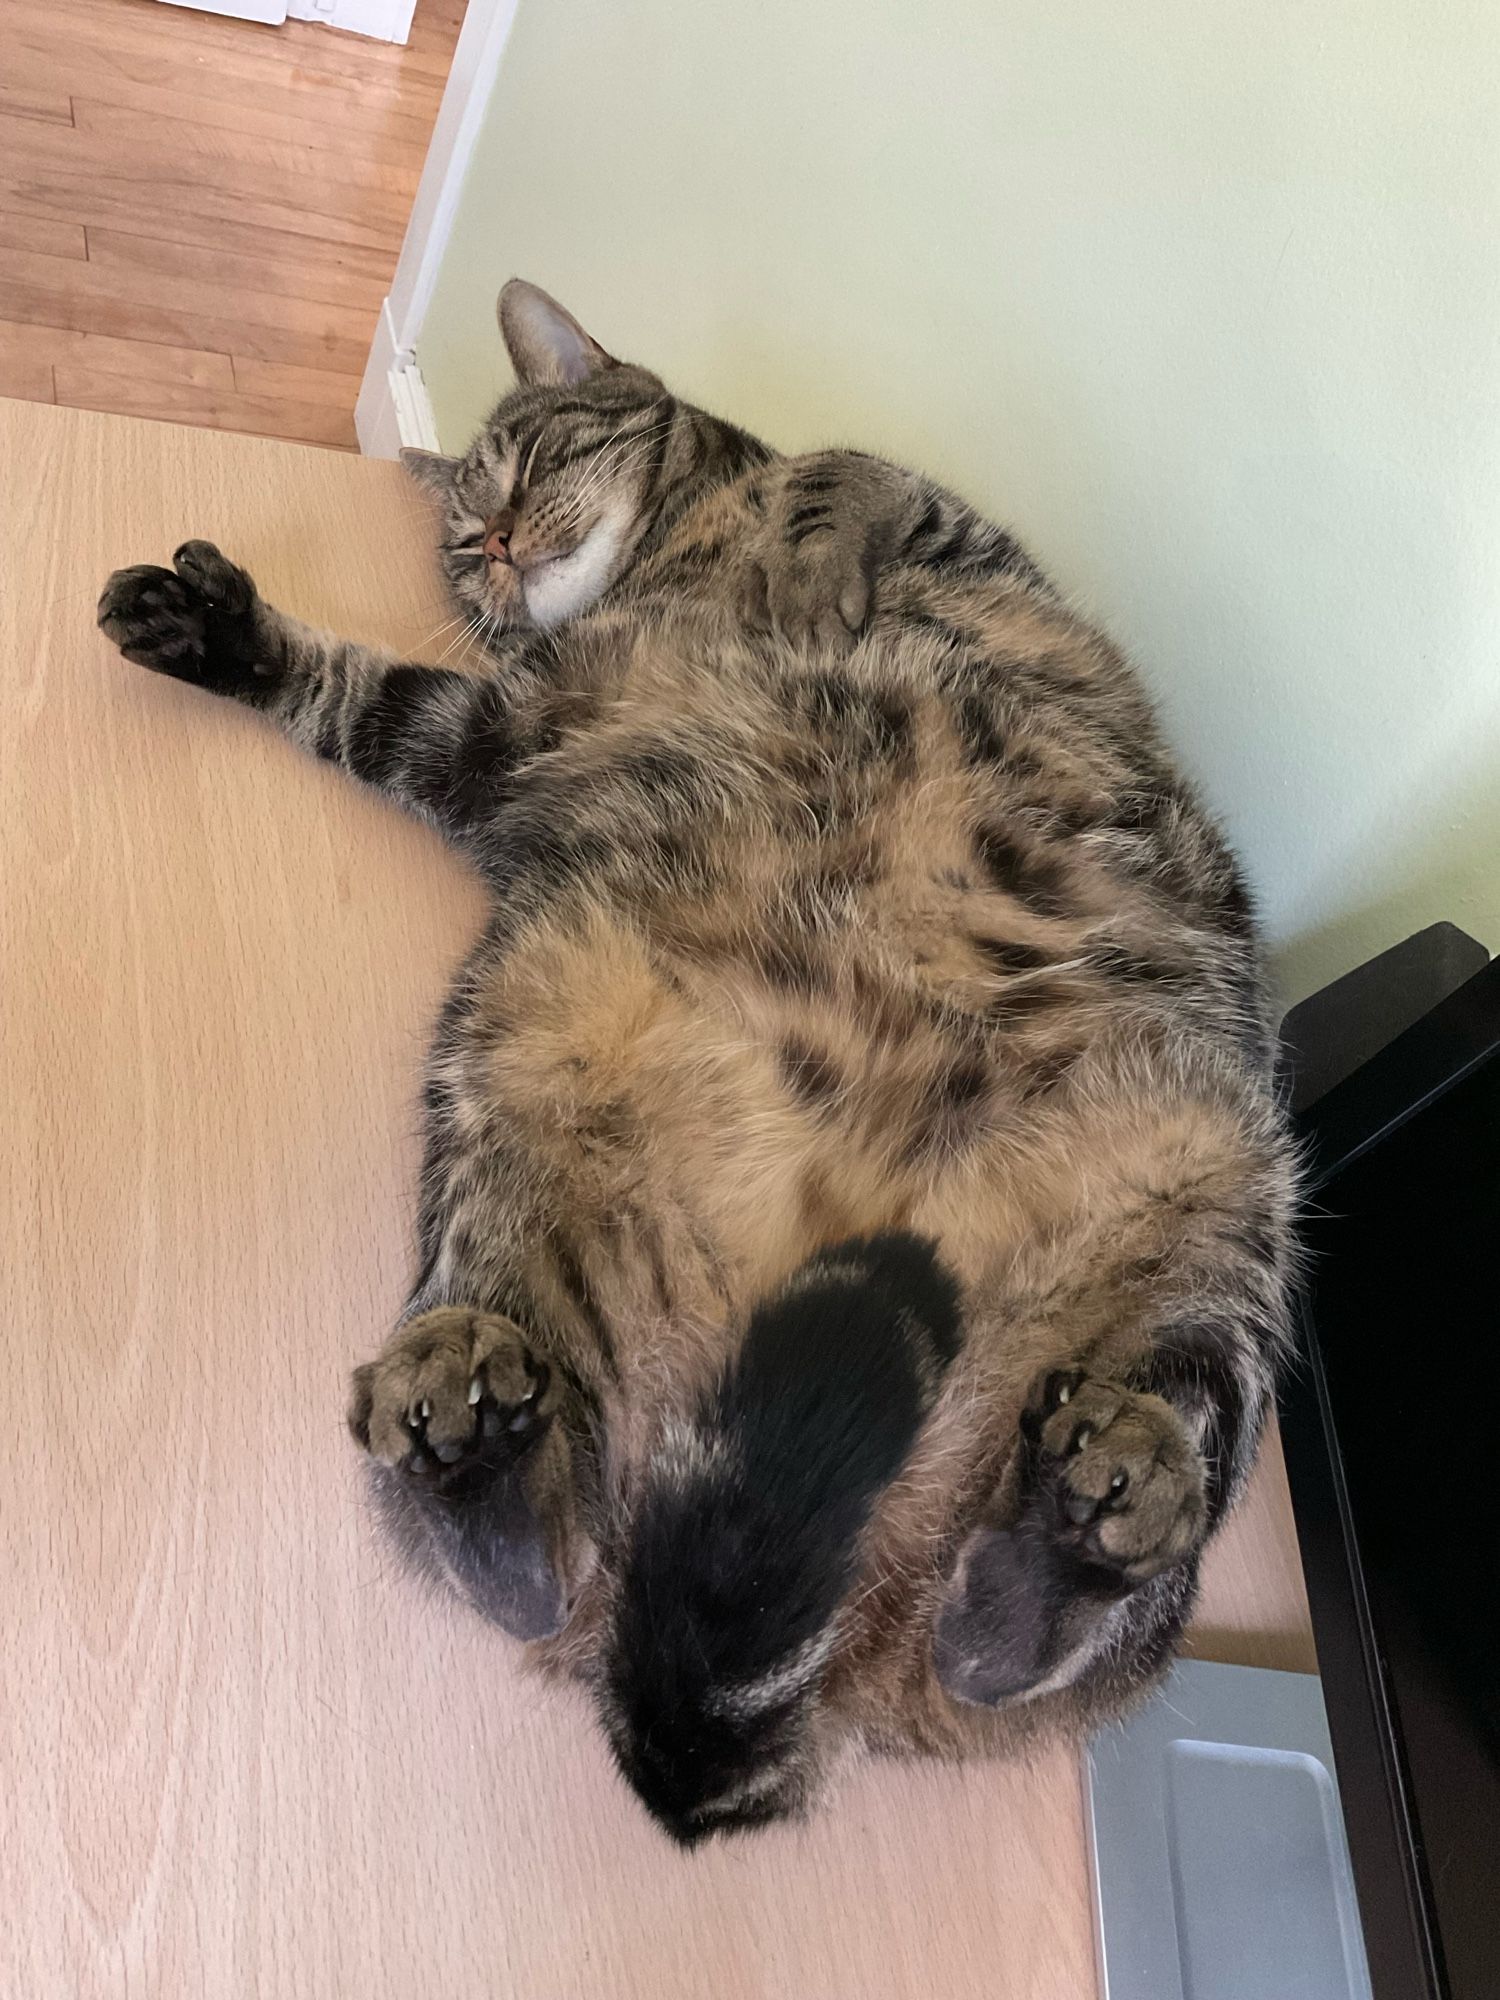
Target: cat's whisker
(601,458)
(617,463)
(635,449)
(466,633)
(482,647)
(628,448)
(433,636)
(594,469)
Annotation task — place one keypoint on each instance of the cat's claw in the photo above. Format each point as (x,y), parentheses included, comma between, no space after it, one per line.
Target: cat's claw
(453,1385)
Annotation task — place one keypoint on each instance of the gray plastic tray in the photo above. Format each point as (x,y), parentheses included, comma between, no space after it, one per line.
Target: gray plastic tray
(1221,1871)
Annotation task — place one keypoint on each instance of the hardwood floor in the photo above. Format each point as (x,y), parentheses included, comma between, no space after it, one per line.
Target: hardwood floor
(199,217)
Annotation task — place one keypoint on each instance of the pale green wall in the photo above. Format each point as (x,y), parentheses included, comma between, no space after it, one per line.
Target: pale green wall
(1201,295)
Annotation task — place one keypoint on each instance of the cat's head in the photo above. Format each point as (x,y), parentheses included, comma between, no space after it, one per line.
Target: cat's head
(550,503)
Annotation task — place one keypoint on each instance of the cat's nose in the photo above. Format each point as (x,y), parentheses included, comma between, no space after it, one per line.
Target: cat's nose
(497,541)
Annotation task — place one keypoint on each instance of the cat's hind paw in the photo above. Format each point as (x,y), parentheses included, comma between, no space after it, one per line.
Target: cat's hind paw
(1120,1482)
(455,1388)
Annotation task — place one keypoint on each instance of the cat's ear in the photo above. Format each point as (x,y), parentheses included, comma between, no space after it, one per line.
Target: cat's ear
(548,347)
(430,469)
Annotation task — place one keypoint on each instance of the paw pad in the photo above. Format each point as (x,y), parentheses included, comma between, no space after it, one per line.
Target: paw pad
(192,621)
(450,1389)
(1114,1472)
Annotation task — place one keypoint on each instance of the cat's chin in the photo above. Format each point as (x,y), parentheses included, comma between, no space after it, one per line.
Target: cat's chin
(493,618)
(543,595)
(571,583)
(506,609)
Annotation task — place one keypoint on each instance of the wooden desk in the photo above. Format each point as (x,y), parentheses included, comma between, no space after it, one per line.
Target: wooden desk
(239,1755)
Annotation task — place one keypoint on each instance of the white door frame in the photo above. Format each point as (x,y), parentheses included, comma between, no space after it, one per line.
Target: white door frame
(393,409)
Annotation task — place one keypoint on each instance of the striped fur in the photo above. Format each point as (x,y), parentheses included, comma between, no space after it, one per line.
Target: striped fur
(855,1223)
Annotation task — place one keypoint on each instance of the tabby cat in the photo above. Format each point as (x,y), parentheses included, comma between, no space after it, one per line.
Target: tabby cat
(854,1228)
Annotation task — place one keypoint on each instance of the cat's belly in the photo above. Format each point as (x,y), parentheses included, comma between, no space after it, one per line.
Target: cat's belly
(763,1106)
(815,983)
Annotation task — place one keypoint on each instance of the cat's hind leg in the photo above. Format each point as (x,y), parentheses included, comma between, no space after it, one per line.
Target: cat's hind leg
(1097,1563)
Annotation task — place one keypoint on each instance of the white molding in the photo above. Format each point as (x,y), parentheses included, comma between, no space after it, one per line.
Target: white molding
(384,20)
(393,408)
(375,412)
(476,60)
(415,423)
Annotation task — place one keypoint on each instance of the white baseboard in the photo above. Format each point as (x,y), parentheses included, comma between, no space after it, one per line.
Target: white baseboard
(384,20)
(375,412)
(415,421)
(393,408)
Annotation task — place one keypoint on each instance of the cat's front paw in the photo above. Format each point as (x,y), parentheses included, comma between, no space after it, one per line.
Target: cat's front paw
(1118,1479)
(812,597)
(808,574)
(455,1388)
(196,621)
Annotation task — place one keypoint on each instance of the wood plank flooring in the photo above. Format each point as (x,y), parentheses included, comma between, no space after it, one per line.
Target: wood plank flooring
(199,217)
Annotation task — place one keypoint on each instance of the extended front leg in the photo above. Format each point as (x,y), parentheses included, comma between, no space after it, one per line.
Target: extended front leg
(440,743)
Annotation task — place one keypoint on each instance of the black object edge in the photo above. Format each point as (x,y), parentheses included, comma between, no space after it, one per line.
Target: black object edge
(1403,1949)
(1432,1055)
(1330,1034)
(1390,1875)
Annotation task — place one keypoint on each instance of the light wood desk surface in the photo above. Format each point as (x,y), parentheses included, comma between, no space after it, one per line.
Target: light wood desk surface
(239,1755)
